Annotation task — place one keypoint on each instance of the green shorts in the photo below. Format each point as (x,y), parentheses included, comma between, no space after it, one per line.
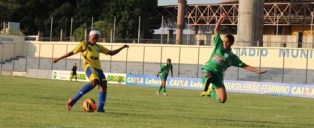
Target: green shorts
(218,83)
(163,77)
(217,79)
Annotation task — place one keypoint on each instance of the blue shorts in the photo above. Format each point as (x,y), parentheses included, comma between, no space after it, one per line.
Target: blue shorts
(94,73)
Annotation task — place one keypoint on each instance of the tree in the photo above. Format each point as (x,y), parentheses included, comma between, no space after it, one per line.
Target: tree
(127,13)
(104,28)
(62,16)
(7,7)
(79,33)
(35,15)
(101,26)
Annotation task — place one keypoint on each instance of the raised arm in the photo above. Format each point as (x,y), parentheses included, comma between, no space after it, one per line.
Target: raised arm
(216,30)
(250,68)
(55,60)
(114,52)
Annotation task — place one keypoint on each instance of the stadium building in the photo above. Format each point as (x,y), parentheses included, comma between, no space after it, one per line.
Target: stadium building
(285,22)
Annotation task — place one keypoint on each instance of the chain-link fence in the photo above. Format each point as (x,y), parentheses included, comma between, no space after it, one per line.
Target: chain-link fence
(284,65)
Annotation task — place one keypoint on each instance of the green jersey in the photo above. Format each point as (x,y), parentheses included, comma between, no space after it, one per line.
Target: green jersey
(221,59)
(164,69)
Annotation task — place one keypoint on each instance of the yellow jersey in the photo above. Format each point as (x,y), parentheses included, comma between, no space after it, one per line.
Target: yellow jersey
(90,54)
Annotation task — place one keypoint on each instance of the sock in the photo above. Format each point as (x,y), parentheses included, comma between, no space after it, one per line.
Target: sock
(85,89)
(165,89)
(204,81)
(160,88)
(214,95)
(101,100)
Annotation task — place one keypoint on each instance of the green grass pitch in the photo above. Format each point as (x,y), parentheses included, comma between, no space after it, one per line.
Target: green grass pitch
(27,102)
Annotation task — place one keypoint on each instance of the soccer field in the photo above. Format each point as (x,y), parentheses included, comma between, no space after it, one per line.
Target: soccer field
(27,102)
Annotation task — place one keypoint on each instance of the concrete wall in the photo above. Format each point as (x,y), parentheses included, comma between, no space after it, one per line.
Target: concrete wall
(296,67)
(11,46)
(290,40)
(275,57)
(278,75)
(293,65)
(273,41)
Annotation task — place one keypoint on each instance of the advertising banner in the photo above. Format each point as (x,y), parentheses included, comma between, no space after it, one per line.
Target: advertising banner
(172,82)
(284,89)
(297,90)
(112,78)
(66,75)
(116,78)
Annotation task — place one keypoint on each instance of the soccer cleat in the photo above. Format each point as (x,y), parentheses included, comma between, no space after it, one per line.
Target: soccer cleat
(165,94)
(69,104)
(205,93)
(209,90)
(157,93)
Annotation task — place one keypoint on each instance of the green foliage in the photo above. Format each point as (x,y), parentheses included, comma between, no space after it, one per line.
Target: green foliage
(79,33)
(101,26)
(7,7)
(31,103)
(63,14)
(35,15)
(104,28)
(127,14)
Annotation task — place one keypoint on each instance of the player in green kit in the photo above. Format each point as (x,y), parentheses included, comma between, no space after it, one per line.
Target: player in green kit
(163,73)
(221,58)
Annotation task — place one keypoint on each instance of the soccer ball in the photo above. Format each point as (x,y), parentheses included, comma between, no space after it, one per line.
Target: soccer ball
(89,105)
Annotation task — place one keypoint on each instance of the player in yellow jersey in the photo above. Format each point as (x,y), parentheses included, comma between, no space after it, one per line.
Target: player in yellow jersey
(90,52)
